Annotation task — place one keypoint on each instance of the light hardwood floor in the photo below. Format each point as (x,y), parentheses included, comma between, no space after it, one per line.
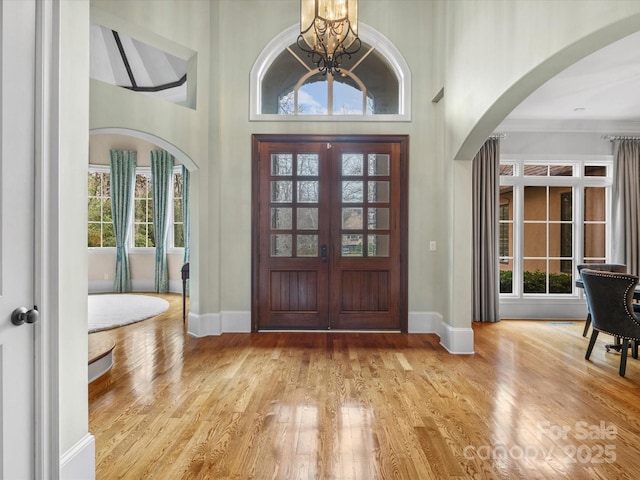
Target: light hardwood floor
(364,406)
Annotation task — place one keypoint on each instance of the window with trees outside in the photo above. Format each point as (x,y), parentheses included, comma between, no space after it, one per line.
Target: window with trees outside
(553,216)
(143,212)
(178,220)
(100,227)
(100,221)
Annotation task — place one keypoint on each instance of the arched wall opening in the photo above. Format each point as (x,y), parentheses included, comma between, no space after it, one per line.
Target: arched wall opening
(495,114)
(102,261)
(537,76)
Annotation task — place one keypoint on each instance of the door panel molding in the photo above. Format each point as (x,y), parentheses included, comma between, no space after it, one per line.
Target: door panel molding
(360,280)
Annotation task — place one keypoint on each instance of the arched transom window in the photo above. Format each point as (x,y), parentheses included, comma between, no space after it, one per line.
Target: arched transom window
(374,84)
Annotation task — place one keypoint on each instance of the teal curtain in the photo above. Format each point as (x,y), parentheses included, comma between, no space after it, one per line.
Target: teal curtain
(161,172)
(123,178)
(185,212)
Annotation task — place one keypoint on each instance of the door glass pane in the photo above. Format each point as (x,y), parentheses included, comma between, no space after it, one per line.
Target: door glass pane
(378,218)
(506,279)
(307,246)
(352,164)
(281,164)
(281,219)
(308,191)
(352,218)
(280,245)
(595,171)
(308,164)
(560,240)
(535,235)
(281,191)
(352,191)
(506,236)
(594,240)
(536,170)
(352,245)
(561,203)
(560,170)
(560,281)
(506,170)
(378,191)
(378,164)
(535,276)
(594,204)
(535,203)
(307,219)
(378,245)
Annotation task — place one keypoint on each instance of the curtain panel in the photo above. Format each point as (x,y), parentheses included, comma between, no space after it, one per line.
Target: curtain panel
(123,177)
(626,204)
(161,173)
(486,198)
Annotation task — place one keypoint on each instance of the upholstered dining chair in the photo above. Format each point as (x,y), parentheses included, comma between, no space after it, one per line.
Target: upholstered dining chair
(610,300)
(606,267)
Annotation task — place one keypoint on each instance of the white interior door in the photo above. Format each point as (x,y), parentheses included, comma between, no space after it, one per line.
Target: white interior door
(17,76)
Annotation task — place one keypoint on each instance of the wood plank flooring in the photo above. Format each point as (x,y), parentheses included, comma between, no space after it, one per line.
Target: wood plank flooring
(362,406)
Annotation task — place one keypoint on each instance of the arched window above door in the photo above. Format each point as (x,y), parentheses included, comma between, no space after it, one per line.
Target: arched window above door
(374,84)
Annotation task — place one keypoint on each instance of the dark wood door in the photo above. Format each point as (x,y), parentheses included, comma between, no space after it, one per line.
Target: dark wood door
(329,236)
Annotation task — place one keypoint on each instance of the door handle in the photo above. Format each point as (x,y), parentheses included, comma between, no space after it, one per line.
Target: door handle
(323,254)
(22,315)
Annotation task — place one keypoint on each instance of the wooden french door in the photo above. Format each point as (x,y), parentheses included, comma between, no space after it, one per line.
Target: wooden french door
(329,232)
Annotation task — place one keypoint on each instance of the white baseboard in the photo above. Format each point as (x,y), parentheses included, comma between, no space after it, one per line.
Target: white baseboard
(203,325)
(236,321)
(79,462)
(143,285)
(458,341)
(100,286)
(106,286)
(424,322)
(454,340)
(543,309)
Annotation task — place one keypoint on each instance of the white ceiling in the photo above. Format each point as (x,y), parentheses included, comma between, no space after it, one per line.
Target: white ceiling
(603,86)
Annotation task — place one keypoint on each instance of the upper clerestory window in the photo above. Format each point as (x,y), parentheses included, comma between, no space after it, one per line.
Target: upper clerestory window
(373,85)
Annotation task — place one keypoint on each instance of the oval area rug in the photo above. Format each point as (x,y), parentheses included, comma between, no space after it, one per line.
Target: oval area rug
(114,310)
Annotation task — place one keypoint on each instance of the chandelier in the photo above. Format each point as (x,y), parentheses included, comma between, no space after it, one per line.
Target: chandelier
(328,32)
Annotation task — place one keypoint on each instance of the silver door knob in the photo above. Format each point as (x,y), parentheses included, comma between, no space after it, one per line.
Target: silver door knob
(22,315)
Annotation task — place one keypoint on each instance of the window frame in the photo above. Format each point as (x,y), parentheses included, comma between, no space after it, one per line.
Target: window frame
(145,171)
(578,182)
(177,169)
(100,169)
(382,44)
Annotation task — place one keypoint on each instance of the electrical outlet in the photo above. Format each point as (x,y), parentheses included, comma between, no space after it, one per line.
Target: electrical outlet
(106,276)
(432,245)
